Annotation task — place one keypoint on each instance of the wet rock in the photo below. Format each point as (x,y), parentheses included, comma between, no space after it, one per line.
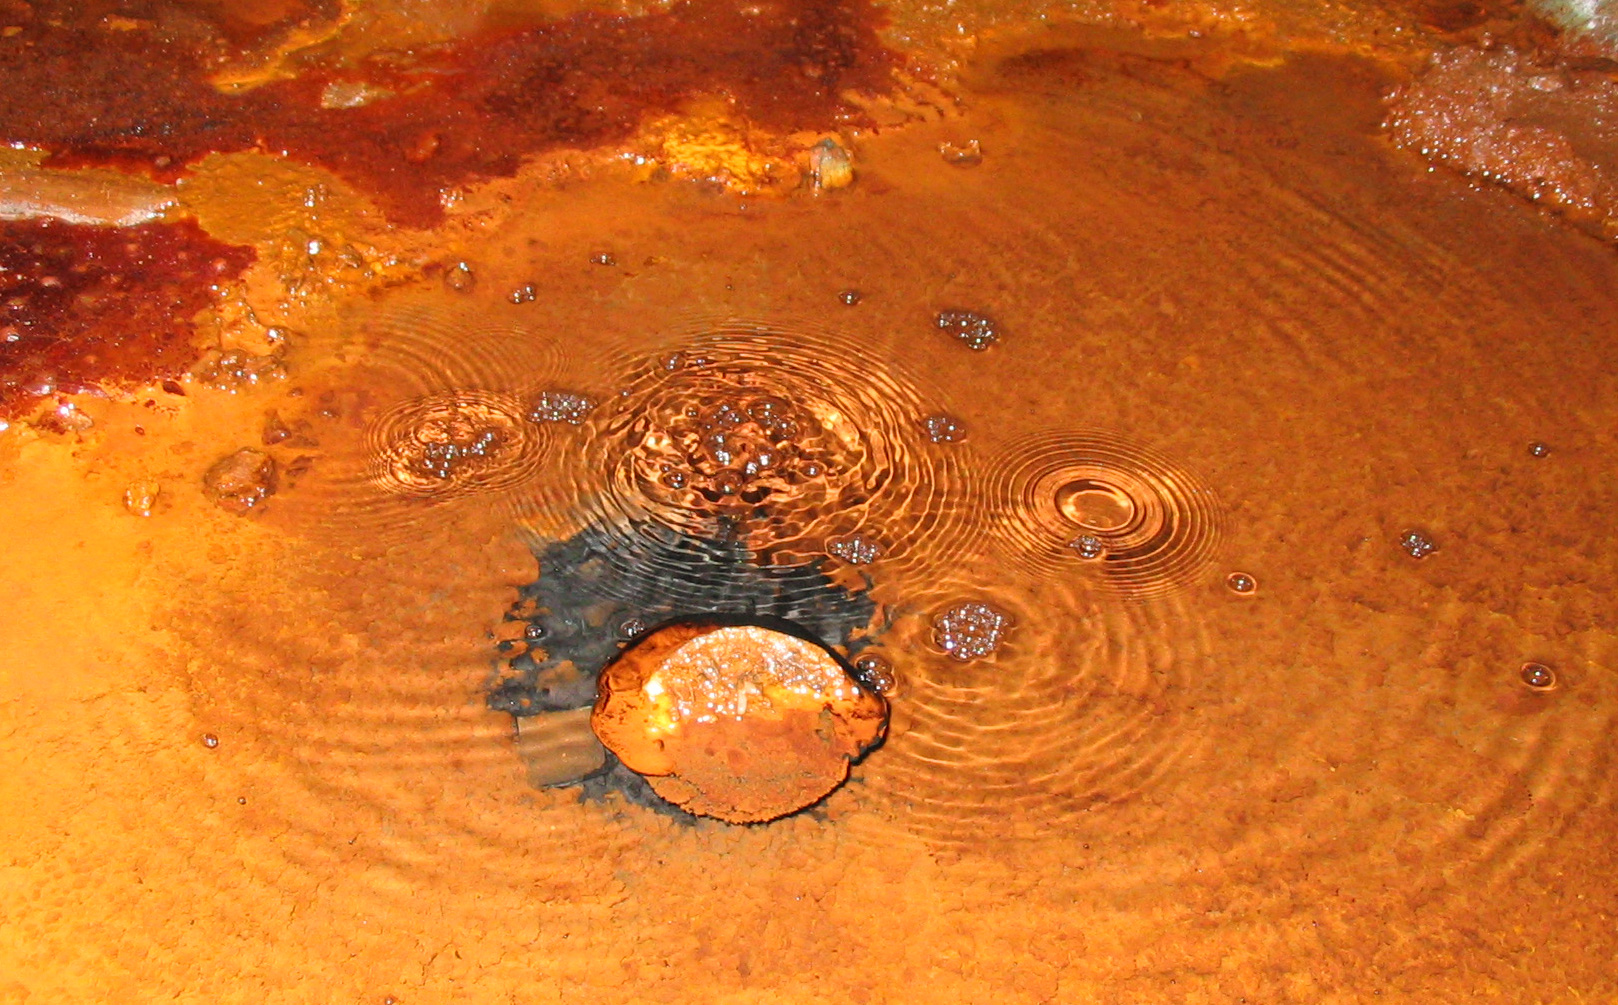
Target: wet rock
(240,481)
(830,166)
(737,721)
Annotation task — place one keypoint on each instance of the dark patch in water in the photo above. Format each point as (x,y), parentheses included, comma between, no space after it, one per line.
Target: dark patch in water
(593,584)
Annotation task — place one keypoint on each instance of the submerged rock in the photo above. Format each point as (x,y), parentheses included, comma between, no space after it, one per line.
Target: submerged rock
(737,721)
(238,482)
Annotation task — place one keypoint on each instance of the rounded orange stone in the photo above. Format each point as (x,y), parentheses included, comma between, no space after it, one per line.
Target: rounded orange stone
(736,721)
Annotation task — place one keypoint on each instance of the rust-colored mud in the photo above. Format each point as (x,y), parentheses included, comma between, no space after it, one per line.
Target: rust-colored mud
(87,308)
(144,98)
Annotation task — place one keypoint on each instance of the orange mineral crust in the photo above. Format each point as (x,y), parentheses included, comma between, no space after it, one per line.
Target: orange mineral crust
(83,308)
(739,722)
(144,97)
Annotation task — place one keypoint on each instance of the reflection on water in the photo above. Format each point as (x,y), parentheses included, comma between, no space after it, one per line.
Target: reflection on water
(1127,544)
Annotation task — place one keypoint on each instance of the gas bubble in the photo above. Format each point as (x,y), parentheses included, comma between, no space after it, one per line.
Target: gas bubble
(1241,582)
(1538,677)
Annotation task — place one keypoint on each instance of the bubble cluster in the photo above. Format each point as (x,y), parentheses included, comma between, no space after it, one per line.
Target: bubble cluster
(1088,547)
(453,443)
(433,414)
(778,440)
(855,549)
(1141,524)
(976,331)
(970,630)
(561,406)
(1417,543)
(876,673)
(968,153)
(944,428)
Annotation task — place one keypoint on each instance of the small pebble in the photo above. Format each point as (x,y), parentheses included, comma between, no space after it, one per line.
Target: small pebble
(238,482)
(966,154)
(459,277)
(830,166)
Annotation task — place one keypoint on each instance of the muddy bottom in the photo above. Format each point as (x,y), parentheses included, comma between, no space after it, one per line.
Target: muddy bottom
(1224,493)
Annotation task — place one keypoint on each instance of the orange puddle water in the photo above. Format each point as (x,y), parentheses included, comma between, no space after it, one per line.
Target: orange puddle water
(250,758)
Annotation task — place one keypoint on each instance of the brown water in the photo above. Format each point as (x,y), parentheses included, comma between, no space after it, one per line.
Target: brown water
(249,758)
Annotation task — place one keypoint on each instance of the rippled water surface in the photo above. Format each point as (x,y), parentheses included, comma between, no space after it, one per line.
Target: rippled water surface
(1179,712)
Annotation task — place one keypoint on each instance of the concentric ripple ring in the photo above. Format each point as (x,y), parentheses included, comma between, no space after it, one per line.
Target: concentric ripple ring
(787,443)
(1090,503)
